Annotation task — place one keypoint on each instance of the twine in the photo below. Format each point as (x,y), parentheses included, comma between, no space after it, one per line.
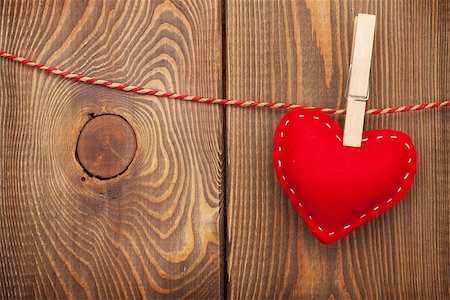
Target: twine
(242,103)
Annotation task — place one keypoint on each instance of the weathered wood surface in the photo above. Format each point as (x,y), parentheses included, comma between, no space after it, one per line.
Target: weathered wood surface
(156,231)
(299,51)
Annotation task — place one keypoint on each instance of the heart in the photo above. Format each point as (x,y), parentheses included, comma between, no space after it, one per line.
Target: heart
(335,188)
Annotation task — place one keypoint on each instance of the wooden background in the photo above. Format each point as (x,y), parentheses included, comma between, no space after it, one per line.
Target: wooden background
(199,212)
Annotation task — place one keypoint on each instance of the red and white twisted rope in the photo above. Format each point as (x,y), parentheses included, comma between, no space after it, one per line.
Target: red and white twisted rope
(243,103)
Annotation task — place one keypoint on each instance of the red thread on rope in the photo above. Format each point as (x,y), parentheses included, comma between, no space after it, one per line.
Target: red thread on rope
(242,103)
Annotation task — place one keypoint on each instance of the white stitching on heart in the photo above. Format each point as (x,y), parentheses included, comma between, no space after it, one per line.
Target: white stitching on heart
(363,216)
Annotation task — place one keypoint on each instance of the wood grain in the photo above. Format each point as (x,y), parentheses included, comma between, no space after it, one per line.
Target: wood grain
(155,231)
(299,51)
(152,232)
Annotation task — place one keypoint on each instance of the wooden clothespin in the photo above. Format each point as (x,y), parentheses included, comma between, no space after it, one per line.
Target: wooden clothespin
(358,82)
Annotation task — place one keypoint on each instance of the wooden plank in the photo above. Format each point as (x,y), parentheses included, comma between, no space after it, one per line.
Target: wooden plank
(299,51)
(151,232)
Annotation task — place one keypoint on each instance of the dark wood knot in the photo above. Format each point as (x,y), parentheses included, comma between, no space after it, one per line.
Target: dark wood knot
(106,146)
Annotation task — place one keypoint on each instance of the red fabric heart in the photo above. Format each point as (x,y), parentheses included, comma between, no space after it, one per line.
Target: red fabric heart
(335,188)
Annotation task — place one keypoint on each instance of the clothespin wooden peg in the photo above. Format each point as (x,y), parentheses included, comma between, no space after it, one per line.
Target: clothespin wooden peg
(358,82)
